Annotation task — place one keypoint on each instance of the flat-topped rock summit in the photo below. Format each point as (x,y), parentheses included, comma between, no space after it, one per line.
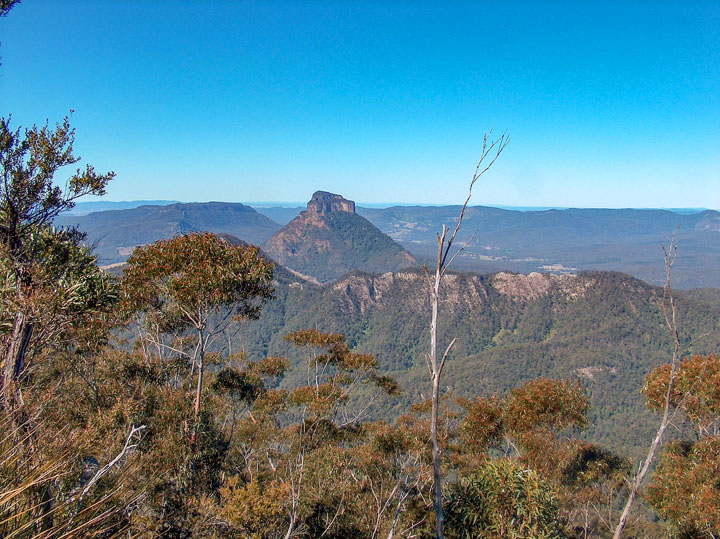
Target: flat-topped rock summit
(329,239)
(324,202)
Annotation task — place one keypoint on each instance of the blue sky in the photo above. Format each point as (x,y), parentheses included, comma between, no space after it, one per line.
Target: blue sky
(608,104)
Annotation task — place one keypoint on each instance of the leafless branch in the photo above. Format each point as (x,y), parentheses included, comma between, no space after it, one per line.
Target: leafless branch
(445,355)
(129,446)
(460,250)
(488,146)
(670,313)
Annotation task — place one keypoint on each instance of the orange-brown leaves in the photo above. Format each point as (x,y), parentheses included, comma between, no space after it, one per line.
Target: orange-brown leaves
(546,404)
(482,426)
(333,371)
(527,421)
(271,402)
(356,362)
(696,389)
(386,383)
(256,508)
(318,400)
(314,338)
(685,487)
(272,366)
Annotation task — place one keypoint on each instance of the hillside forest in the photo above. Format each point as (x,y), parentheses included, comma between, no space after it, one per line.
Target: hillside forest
(203,390)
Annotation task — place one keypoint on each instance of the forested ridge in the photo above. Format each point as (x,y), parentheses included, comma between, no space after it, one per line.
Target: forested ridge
(603,329)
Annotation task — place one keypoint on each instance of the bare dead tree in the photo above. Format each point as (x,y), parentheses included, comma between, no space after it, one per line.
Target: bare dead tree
(491,150)
(669,309)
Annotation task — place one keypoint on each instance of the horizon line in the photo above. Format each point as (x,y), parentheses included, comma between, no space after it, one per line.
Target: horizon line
(384,205)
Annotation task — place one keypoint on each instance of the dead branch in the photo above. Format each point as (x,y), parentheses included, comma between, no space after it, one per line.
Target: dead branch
(670,313)
(129,446)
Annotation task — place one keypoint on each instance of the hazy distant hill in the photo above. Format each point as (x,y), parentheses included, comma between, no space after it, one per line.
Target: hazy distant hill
(625,240)
(603,329)
(329,239)
(280,214)
(583,239)
(116,233)
(83,208)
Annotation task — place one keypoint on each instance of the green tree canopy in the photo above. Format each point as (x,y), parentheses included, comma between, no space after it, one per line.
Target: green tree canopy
(197,281)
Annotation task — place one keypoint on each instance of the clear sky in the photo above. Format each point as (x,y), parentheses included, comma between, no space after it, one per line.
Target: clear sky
(608,104)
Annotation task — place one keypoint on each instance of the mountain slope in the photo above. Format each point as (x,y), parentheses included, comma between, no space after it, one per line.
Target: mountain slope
(328,239)
(603,329)
(116,233)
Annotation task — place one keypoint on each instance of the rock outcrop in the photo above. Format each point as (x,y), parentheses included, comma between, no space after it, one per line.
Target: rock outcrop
(530,287)
(324,202)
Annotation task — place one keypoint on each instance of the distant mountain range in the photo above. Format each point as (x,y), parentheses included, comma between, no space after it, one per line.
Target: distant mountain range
(83,208)
(114,234)
(560,240)
(569,240)
(556,241)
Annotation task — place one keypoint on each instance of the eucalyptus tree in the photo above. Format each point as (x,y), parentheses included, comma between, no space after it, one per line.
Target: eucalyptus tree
(198,282)
(685,488)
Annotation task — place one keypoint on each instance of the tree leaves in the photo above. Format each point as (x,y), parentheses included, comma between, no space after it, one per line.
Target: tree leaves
(696,390)
(191,276)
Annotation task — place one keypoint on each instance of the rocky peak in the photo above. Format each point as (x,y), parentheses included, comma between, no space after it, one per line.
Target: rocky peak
(324,202)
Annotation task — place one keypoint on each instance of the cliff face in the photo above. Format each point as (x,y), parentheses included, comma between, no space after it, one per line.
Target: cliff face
(461,292)
(599,328)
(329,239)
(324,202)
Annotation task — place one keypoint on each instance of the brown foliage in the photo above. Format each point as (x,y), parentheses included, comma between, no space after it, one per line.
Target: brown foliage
(546,404)
(696,389)
(685,488)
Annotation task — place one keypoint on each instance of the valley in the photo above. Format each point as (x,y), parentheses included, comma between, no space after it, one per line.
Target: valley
(603,329)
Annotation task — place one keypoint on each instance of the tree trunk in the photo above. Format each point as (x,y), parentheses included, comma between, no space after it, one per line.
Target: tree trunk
(637,481)
(201,371)
(435,375)
(437,477)
(15,359)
